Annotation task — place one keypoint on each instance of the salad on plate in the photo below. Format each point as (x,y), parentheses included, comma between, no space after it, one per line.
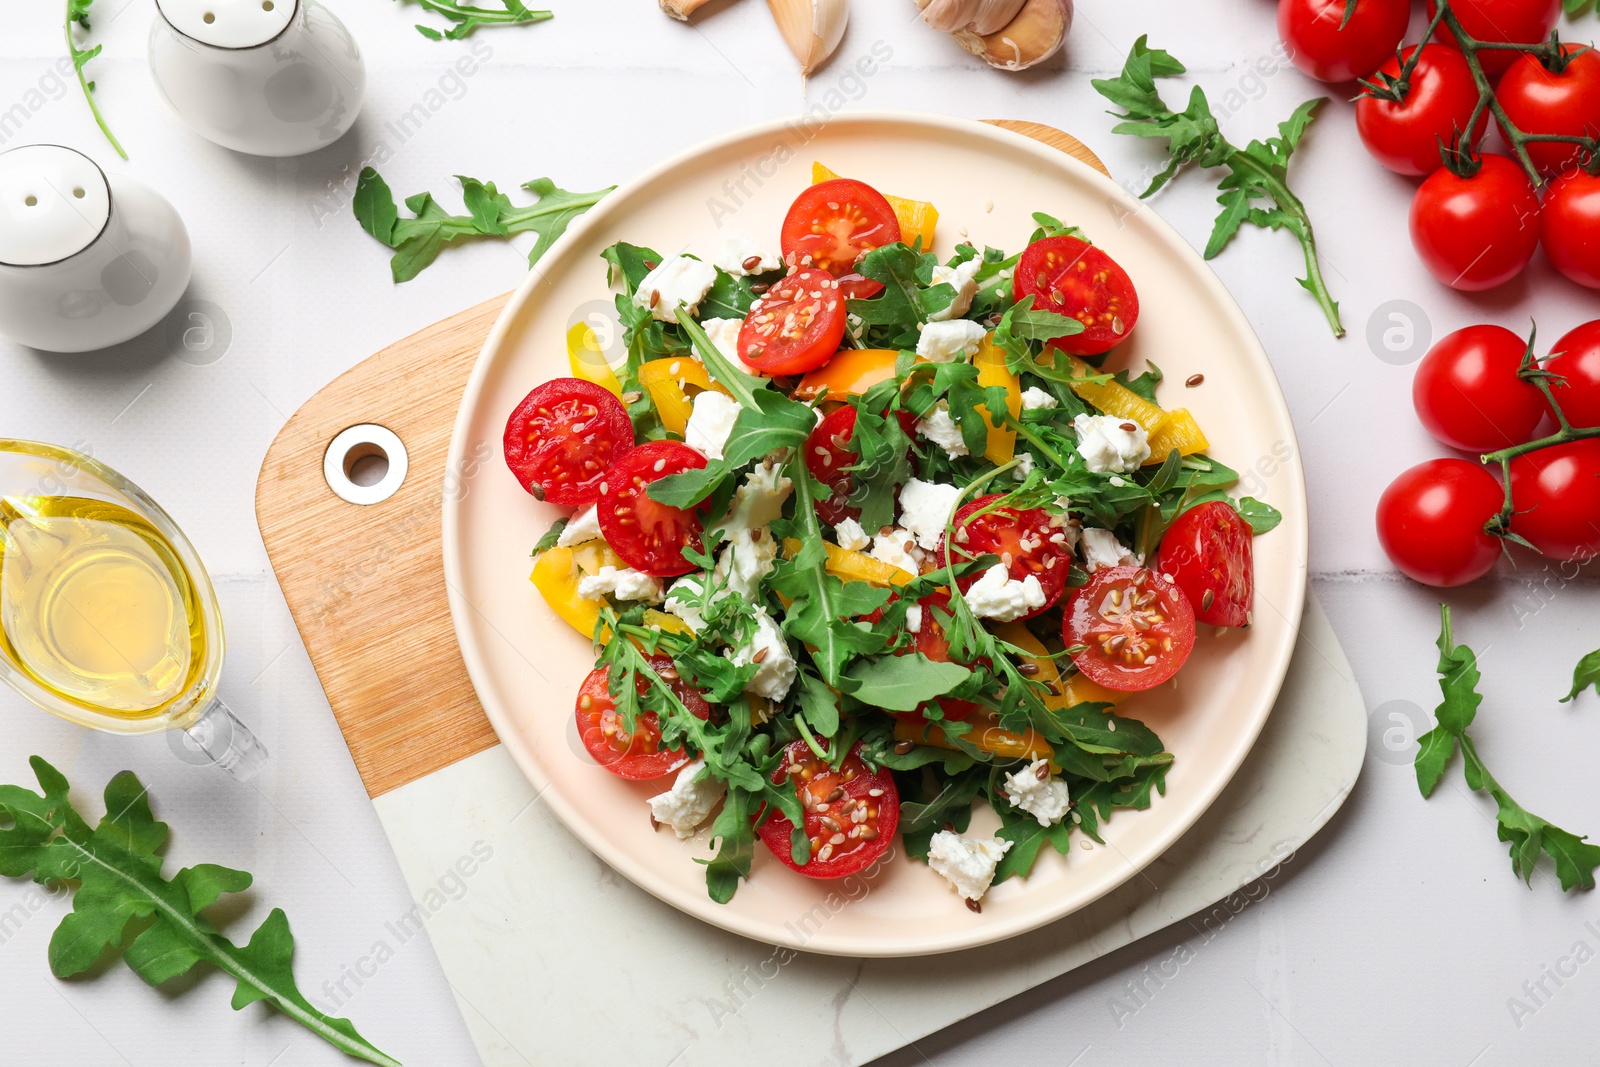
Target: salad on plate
(863,536)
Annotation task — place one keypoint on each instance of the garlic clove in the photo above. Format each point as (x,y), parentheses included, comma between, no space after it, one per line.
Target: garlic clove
(975,16)
(1036,33)
(812,28)
(682,9)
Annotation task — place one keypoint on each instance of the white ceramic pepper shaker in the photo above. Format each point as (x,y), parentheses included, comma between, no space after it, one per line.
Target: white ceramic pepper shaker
(87,260)
(267,77)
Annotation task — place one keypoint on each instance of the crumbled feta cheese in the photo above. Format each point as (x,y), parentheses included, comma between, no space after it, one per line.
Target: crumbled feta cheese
(759,499)
(1023,468)
(724,334)
(690,800)
(961,278)
(996,595)
(738,248)
(1034,791)
(1036,399)
(711,420)
(584,526)
(914,619)
(679,602)
(679,280)
(847,533)
(925,508)
(891,549)
(777,670)
(1102,549)
(942,430)
(967,863)
(1108,446)
(946,342)
(747,559)
(624,584)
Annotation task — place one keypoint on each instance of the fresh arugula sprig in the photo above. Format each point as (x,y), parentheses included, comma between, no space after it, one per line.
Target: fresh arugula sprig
(1584,675)
(467,19)
(1528,834)
(417,241)
(78,13)
(1256,186)
(122,904)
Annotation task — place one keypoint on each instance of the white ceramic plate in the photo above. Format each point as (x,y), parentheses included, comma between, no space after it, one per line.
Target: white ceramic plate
(986,182)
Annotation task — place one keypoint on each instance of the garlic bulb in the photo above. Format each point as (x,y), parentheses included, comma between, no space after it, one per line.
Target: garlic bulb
(813,28)
(1008,34)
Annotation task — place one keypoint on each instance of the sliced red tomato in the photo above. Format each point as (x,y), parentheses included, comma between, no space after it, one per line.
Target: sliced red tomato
(563,436)
(835,222)
(1076,279)
(1136,628)
(1029,541)
(828,455)
(647,534)
(850,814)
(637,755)
(795,326)
(1207,553)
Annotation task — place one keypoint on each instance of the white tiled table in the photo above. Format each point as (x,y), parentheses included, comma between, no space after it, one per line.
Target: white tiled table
(1396,937)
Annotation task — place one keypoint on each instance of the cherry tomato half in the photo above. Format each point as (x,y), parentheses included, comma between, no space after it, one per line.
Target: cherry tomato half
(1208,553)
(795,326)
(931,641)
(1514,21)
(1333,44)
(1029,541)
(828,457)
(835,222)
(1538,100)
(1431,522)
(1405,136)
(1076,279)
(647,534)
(1468,394)
(1478,232)
(1576,358)
(850,814)
(1569,227)
(1556,494)
(563,436)
(1137,626)
(638,755)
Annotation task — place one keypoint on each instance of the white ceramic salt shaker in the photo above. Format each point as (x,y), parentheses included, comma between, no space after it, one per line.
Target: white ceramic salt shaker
(87,259)
(266,77)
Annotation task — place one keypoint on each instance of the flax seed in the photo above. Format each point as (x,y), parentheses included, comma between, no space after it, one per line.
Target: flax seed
(1194,380)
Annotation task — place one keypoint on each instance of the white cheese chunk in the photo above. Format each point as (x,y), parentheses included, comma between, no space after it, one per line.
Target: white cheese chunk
(925,509)
(891,549)
(942,430)
(1108,446)
(739,248)
(624,584)
(996,595)
(678,602)
(746,561)
(847,533)
(961,278)
(759,499)
(914,619)
(690,800)
(678,280)
(584,526)
(967,863)
(1023,468)
(777,668)
(1102,549)
(711,420)
(1034,791)
(1036,399)
(946,342)
(724,334)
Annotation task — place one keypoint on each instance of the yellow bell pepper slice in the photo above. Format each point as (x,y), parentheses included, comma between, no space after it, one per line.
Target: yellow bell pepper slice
(984,735)
(1114,398)
(917,218)
(1075,689)
(667,382)
(1180,431)
(991,364)
(854,566)
(556,575)
(850,371)
(588,361)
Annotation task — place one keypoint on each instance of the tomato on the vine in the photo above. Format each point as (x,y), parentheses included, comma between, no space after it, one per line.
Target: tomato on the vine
(646,533)
(1555,492)
(1468,393)
(563,436)
(1029,542)
(1135,628)
(850,814)
(1432,522)
(1074,278)
(836,222)
(1539,100)
(1575,358)
(795,326)
(1405,136)
(1569,226)
(1332,43)
(637,755)
(1503,21)
(1208,553)
(1476,232)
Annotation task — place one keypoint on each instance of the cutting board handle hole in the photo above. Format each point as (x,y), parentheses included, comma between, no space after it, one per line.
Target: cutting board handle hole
(365,464)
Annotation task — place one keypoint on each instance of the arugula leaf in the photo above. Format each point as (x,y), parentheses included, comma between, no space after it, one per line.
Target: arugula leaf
(78,14)
(736,846)
(906,299)
(819,703)
(1574,8)
(1263,518)
(1027,837)
(1255,188)
(551,536)
(1584,675)
(901,683)
(927,812)
(1143,384)
(468,19)
(116,867)
(417,241)
(1528,834)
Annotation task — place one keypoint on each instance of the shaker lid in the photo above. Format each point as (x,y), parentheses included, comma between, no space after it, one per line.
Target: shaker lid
(229,23)
(54,202)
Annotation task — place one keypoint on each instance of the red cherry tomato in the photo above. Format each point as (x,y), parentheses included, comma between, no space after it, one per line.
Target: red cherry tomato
(1467,392)
(1137,626)
(1074,278)
(1208,554)
(1556,494)
(1576,358)
(835,222)
(1431,522)
(828,458)
(1479,232)
(563,436)
(795,326)
(1515,21)
(647,534)
(1405,136)
(638,755)
(1029,541)
(848,831)
(1329,47)
(931,641)
(1538,100)
(1569,227)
